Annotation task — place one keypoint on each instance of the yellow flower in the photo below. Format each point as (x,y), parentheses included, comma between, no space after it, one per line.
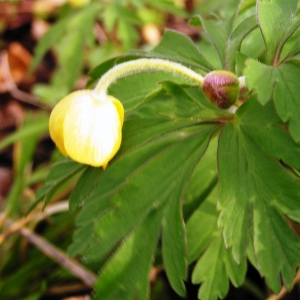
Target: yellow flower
(86,128)
(78,3)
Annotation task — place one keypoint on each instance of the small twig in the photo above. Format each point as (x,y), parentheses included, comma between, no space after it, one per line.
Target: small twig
(59,256)
(284,290)
(47,248)
(12,87)
(15,226)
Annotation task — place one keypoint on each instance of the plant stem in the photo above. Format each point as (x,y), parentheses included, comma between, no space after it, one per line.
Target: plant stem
(143,65)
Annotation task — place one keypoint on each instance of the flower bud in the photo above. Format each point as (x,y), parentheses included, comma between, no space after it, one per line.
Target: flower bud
(221,88)
(87,129)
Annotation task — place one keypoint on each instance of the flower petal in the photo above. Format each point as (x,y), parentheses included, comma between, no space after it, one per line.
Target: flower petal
(92,129)
(57,118)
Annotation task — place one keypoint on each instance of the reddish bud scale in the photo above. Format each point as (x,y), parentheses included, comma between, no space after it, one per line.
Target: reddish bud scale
(221,88)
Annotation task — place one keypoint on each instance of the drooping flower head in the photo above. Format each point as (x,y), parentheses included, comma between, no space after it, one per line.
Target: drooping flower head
(86,128)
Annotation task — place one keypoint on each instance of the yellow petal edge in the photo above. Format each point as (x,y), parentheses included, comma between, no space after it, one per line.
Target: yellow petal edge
(87,129)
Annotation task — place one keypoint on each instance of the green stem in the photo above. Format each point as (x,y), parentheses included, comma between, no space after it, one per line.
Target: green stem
(148,65)
(143,65)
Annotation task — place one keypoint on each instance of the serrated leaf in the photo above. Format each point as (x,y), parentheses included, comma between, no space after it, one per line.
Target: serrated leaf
(174,246)
(280,82)
(255,191)
(269,131)
(139,167)
(277,20)
(131,188)
(126,274)
(213,270)
(146,132)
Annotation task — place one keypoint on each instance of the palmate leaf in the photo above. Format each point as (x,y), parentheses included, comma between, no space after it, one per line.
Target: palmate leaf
(255,192)
(281,83)
(277,32)
(159,180)
(149,173)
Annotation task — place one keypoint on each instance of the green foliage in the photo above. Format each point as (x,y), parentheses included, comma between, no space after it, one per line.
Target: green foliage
(71,38)
(193,184)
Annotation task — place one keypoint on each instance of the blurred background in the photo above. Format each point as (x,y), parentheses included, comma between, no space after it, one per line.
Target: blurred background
(47,49)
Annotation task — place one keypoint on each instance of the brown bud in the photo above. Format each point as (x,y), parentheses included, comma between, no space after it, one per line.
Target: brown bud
(221,88)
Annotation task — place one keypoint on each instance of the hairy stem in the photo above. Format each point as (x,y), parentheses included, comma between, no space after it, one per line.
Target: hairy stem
(143,65)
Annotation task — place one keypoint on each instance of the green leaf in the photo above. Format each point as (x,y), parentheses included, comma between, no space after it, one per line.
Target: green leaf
(282,84)
(214,268)
(110,16)
(190,103)
(70,57)
(25,139)
(202,226)
(269,131)
(132,186)
(137,169)
(218,31)
(178,47)
(276,33)
(126,274)
(145,86)
(60,174)
(255,192)
(226,37)
(203,181)
(235,40)
(127,34)
(115,210)
(225,7)
(81,21)
(84,187)
(46,41)
(32,128)
(167,6)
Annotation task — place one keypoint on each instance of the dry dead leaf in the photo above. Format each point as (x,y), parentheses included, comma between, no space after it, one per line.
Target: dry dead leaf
(18,63)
